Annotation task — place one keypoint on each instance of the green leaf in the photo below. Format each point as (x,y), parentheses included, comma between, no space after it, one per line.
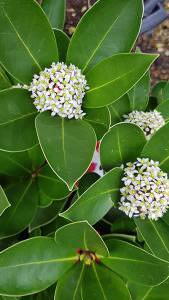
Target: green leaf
(4,203)
(44,200)
(139,94)
(47,294)
(23,199)
(17,115)
(80,235)
(69,286)
(166,92)
(116,150)
(159,91)
(4,81)
(155,234)
(8,298)
(135,264)
(140,292)
(71,141)
(36,158)
(51,228)
(25,47)
(108,27)
(62,41)
(121,73)
(51,185)
(99,118)
(55,11)
(99,283)
(159,292)
(163,108)
(118,109)
(86,181)
(97,200)
(31,266)
(157,148)
(46,215)
(21,163)
(124,237)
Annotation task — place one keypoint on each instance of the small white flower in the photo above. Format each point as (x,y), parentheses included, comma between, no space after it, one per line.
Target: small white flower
(149,122)
(60,89)
(146,194)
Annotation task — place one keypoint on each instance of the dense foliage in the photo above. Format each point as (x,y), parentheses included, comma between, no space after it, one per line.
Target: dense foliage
(67,233)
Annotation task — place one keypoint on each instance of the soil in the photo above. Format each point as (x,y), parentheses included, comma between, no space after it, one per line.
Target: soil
(157,42)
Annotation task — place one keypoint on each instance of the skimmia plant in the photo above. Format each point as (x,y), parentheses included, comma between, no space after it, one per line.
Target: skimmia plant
(67,233)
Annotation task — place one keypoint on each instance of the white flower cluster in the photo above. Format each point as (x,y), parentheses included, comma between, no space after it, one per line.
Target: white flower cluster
(146,190)
(149,122)
(60,89)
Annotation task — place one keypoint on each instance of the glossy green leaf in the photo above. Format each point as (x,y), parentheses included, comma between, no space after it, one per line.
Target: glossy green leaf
(55,11)
(124,237)
(100,283)
(121,73)
(8,298)
(69,286)
(51,228)
(46,215)
(72,142)
(99,118)
(17,115)
(80,235)
(166,92)
(23,200)
(99,34)
(44,200)
(135,264)
(47,294)
(159,91)
(97,200)
(25,47)
(62,41)
(140,292)
(163,108)
(36,158)
(31,266)
(21,163)
(4,81)
(159,292)
(139,94)
(123,143)
(155,234)
(51,185)
(121,223)
(86,181)
(4,203)
(118,109)
(157,148)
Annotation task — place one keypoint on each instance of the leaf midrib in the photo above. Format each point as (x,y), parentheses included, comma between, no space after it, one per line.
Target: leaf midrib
(112,81)
(19,118)
(132,260)
(21,40)
(159,237)
(65,259)
(99,282)
(18,164)
(19,201)
(102,40)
